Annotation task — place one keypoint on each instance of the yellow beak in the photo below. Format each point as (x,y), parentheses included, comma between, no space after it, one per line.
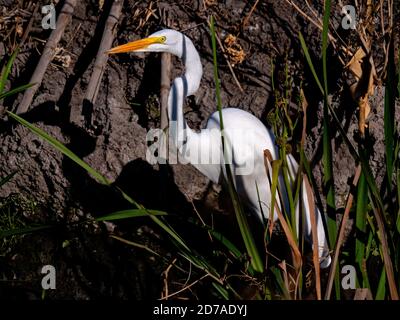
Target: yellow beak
(136,45)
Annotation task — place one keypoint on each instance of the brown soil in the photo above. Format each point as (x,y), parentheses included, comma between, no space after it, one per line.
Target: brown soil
(89,263)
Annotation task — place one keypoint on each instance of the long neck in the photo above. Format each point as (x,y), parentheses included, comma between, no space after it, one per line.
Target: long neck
(182,87)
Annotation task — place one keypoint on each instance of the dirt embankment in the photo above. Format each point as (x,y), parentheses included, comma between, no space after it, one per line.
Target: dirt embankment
(115,144)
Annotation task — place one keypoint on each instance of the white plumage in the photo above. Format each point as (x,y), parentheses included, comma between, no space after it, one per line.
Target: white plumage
(246,137)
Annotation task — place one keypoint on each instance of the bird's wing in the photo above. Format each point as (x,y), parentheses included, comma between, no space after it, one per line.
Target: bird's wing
(203,151)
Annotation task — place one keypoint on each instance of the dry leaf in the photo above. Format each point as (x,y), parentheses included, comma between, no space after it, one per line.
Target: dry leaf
(363,103)
(363,87)
(303,99)
(365,109)
(234,50)
(355,63)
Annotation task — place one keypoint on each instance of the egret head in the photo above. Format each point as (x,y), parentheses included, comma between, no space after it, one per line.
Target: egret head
(165,40)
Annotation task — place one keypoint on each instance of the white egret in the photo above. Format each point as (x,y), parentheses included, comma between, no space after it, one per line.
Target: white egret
(246,135)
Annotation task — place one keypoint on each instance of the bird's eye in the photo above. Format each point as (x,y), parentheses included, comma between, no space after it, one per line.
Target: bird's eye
(163,39)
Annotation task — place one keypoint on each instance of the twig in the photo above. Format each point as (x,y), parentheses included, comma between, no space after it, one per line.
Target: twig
(339,240)
(304,106)
(164,141)
(101,58)
(48,54)
(246,20)
(165,274)
(134,244)
(227,61)
(164,92)
(315,13)
(199,216)
(185,288)
(387,261)
(330,36)
(29,26)
(319,26)
(258,81)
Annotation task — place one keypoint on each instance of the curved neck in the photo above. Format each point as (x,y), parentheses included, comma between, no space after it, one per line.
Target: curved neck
(182,87)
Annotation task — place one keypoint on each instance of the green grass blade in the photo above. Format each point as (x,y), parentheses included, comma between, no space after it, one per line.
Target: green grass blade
(245,231)
(325,30)
(60,147)
(259,203)
(281,283)
(168,229)
(398,75)
(216,77)
(133,213)
(309,61)
(15,90)
(327,147)
(276,165)
(361,218)
(7,70)
(63,149)
(288,182)
(220,238)
(221,290)
(328,181)
(199,262)
(364,271)
(327,150)
(228,244)
(135,244)
(22,231)
(247,236)
(6,179)
(398,197)
(362,158)
(389,110)
(362,240)
(381,291)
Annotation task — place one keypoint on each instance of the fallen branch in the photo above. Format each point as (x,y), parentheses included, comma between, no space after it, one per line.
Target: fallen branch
(340,238)
(47,55)
(101,58)
(164,92)
(165,86)
(164,141)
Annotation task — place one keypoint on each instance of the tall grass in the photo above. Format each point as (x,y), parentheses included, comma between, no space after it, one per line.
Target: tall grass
(377,213)
(375,210)
(247,235)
